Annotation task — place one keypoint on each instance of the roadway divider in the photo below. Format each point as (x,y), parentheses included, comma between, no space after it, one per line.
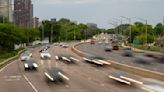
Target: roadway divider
(7,61)
(124,67)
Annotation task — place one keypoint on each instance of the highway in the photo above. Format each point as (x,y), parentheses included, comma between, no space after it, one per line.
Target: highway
(117,56)
(83,76)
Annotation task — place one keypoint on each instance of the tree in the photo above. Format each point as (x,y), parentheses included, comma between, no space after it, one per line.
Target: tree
(159,29)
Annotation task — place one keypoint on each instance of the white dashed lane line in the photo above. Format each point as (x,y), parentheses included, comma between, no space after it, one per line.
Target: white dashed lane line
(28,81)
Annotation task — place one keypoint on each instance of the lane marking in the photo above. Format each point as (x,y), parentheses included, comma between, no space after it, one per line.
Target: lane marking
(7,66)
(147,89)
(33,87)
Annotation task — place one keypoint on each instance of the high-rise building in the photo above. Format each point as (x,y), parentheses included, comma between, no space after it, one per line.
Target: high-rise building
(6,9)
(35,22)
(23,13)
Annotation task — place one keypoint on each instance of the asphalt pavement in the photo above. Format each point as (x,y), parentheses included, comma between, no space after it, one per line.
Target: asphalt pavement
(83,76)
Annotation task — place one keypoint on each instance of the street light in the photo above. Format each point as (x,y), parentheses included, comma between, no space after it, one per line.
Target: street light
(114,25)
(129,20)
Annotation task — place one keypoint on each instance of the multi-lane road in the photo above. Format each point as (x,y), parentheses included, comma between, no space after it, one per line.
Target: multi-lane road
(83,76)
(117,56)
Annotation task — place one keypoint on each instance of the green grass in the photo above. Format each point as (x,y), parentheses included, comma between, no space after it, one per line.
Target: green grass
(8,55)
(152,48)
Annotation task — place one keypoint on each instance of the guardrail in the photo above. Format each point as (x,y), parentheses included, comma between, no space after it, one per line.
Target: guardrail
(124,67)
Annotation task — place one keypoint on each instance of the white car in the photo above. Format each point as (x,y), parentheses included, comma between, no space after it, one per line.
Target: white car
(26,56)
(30,64)
(65,45)
(45,55)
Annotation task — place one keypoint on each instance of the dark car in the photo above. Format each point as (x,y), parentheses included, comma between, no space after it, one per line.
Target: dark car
(30,64)
(108,49)
(115,48)
(128,53)
(55,75)
(144,59)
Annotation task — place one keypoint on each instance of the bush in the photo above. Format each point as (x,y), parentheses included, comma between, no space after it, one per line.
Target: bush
(8,55)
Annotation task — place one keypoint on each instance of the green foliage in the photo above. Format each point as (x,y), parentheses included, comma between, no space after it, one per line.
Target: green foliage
(8,55)
(65,30)
(159,29)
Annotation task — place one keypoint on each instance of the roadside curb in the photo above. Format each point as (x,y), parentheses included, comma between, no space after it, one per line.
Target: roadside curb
(124,67)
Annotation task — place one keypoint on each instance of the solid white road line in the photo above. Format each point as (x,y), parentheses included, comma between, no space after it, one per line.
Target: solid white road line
(33,87)
(7,66)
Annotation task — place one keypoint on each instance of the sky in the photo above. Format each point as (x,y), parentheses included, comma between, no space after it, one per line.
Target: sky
(101,12)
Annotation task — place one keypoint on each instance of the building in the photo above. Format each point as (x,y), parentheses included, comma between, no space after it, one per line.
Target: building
(23,13)
(91,25)
(6,9)
(35,22)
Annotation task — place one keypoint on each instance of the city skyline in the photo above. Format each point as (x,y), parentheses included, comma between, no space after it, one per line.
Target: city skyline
(100,12)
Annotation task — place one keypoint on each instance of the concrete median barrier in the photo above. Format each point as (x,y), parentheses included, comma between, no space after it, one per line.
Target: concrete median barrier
(124,67)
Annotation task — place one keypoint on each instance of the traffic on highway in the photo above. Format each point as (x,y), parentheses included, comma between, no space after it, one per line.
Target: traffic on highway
(56,68)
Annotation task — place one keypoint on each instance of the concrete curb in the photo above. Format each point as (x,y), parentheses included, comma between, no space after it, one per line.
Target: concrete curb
(7,61)
(124,67)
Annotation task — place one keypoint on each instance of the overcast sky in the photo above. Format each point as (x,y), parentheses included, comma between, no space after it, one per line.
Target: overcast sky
(100,12)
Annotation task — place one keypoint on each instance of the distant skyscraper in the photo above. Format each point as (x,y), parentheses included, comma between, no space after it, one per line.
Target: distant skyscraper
(6,9)
(35,22)
(23,13)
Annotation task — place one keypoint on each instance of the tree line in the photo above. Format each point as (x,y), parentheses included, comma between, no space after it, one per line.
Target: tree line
(139,31)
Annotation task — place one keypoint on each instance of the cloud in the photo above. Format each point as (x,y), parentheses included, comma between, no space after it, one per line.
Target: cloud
(48,2)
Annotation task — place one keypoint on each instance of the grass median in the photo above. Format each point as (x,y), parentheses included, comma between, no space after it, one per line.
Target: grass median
(9,55)
(151,48)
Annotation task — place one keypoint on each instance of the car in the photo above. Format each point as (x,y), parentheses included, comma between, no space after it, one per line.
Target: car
(45,55)
(100,42)
(26,56)
(43,49)
(67,58)
(30,64)
(127,53)
(150,55)
(97,60)
(108,49)
(143,59)
(160,57)
(65,45)
(55,75)
(92,42)
(115,47)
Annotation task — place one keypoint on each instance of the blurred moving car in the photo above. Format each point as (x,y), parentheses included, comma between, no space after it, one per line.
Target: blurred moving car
(115,47)
(92,42)
(55,75)
(143,59)
(30,64)
(108,49)
(45,55)
(128,52)
(160,57)
(26,56)
(98,60)
(67,58)
(65,45)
